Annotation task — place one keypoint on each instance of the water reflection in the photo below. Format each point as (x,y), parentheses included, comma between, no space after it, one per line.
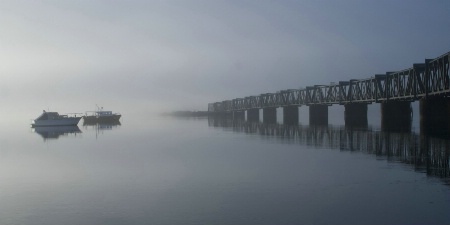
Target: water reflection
(99,127)
(425,153)
(102,125)
(54,132)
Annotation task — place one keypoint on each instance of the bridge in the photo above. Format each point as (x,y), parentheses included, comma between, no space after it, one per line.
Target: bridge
(427,82)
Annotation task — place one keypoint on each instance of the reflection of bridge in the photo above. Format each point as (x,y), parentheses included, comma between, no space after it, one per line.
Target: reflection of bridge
(428,82)
(425,153)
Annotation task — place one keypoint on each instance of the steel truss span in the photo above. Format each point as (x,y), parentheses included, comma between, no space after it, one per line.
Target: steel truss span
(420,81)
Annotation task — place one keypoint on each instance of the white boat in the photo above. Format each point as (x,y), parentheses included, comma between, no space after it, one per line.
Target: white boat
(54,119)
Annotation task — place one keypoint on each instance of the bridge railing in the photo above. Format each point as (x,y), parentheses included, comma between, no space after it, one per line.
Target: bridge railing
(302,97)
(405,85)
(288,97)
(332,94)
(360,91)
(438,80)
(421,80)
(268,100)
(253,102)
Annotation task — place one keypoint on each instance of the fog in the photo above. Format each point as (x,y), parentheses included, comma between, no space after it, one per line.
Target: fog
(157,56)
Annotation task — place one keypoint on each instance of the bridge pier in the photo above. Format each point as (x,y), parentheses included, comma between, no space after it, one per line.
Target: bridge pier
(270,115)
(253,115)
(318,115)
(290,115)
(223,114)
(396,116)
(355,115)
(435,115)
(220,119)
(239,115)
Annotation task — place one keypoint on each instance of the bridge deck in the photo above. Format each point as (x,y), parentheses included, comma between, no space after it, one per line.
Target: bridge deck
(421,80)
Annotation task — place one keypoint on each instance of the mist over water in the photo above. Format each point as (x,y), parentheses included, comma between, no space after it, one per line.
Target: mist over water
(168,170)
(143,58)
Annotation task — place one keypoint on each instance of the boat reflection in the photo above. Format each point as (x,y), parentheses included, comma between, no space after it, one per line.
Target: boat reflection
(427,154)
(102,125)
(99,127)
(54,132)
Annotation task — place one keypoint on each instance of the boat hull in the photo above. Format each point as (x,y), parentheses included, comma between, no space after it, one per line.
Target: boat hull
(71,121)
(100,119)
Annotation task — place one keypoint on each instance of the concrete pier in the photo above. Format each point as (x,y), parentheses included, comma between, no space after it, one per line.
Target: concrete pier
(239,115)
(396,116)
(223,114)
(355,115)
(435,116)
(290,115)
(270,115)
(318,115)
(253,115)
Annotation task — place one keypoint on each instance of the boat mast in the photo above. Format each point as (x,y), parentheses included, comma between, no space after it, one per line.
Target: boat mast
(99,108)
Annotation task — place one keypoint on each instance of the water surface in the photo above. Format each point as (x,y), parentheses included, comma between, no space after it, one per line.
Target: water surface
(164,170)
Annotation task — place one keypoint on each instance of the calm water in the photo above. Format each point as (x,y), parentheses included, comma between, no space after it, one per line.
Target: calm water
(164,170)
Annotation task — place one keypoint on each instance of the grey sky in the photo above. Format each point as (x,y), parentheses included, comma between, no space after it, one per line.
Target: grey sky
(180,55)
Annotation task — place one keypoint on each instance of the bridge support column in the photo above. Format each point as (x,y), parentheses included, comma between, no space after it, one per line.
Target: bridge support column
(270,115)
(318,115)
(253,115)
(435,116)
(396,116)
(355,115)
(239,115)
(224,114)
(290,115)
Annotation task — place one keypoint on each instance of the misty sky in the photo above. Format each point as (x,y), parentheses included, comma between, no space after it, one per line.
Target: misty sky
(169,55)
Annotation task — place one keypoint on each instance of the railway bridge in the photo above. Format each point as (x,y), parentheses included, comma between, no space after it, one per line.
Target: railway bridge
(427,82)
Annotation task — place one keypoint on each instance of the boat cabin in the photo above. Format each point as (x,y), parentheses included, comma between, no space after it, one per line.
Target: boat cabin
(104,113)
(49,116)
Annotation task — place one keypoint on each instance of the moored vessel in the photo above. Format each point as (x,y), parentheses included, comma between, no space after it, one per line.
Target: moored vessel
(101,116)
(55,119)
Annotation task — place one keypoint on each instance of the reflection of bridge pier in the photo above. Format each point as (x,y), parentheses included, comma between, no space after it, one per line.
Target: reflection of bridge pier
(425,153)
